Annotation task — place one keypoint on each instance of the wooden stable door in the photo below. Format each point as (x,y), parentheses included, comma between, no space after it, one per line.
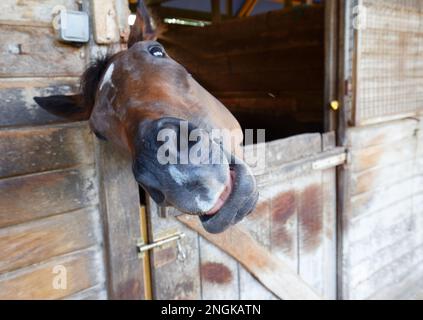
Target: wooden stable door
(285,249)
(381,250)
(68,203)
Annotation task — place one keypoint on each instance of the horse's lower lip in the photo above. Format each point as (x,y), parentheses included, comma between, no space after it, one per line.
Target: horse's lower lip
(224,195)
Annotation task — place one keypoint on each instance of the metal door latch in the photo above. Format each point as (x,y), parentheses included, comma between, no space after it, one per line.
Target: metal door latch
(330,161)
(143,247)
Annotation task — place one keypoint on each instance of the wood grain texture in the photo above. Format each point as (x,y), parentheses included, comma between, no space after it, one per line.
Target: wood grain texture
(49,186)
(17,105)
(168,262)
(27,51)
(219,273)
(39,195)
(37,149)
(98,292)
(252,289)
(382,225)
(39,240)
(84,269)
(119,201)
(285,283)
(294,222)
(31,12)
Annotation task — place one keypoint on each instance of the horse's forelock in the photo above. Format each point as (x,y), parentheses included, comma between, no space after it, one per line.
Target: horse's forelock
(91,78)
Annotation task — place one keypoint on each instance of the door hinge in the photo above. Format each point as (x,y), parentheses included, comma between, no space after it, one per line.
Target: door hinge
(144,247)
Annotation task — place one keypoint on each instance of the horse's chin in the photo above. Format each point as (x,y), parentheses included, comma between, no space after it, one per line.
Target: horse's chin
(234,205)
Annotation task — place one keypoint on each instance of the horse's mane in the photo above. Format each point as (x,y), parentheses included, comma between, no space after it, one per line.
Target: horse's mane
(91,77)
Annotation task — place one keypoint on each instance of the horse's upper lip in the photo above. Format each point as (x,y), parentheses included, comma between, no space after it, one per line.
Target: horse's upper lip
(224,195)
(241,202)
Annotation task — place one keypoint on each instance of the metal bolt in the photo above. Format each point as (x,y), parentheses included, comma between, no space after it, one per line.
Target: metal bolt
(334,105)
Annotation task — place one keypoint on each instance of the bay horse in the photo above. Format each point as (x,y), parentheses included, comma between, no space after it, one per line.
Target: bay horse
(130,97)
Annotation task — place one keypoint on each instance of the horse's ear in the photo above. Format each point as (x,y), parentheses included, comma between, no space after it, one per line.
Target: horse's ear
(68,107)
(143,28)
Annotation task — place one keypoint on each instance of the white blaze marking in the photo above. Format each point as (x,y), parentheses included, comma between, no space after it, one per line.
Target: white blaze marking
(108,76)
(203,205)
(213,196)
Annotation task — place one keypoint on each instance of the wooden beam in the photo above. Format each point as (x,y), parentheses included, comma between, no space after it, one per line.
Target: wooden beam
(331,63)
(166,12)
(272,272)
(119,201)
(229,8)
(247,8)
(151,2)
(215,6)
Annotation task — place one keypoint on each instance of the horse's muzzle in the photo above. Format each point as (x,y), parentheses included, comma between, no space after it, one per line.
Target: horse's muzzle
(240,203)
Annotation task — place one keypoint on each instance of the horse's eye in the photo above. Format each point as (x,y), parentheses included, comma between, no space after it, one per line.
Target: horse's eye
(100,136)
(157,51)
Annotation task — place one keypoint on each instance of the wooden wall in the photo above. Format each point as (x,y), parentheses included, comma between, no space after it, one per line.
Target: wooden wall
(260,67)
(57,188)
(381,229)
(49,213)
(382,238)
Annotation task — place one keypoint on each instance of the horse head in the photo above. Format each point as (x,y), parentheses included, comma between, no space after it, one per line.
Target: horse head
(145,102)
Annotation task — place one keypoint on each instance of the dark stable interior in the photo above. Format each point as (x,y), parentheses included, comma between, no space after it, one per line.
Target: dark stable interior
(267,69)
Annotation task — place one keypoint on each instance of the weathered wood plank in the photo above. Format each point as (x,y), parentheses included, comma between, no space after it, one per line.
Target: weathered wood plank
(106,28)
(314,226)
(329,251)
(410,288)
(381,259)
(219,273)
(374,224)
(168,261)
(37,149)
(383,155)
(370,202)
(273,223)
(397,270)
(381,134)
(250,288)
(84,269)
(34,196)
(380,177)
(382,227)
(40,240)
(119,201)
(285,283)
(17,106)
(26,51)
(98,292)
(32,12)
(282,151)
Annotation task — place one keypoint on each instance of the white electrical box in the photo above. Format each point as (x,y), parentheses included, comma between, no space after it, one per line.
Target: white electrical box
(74,26)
